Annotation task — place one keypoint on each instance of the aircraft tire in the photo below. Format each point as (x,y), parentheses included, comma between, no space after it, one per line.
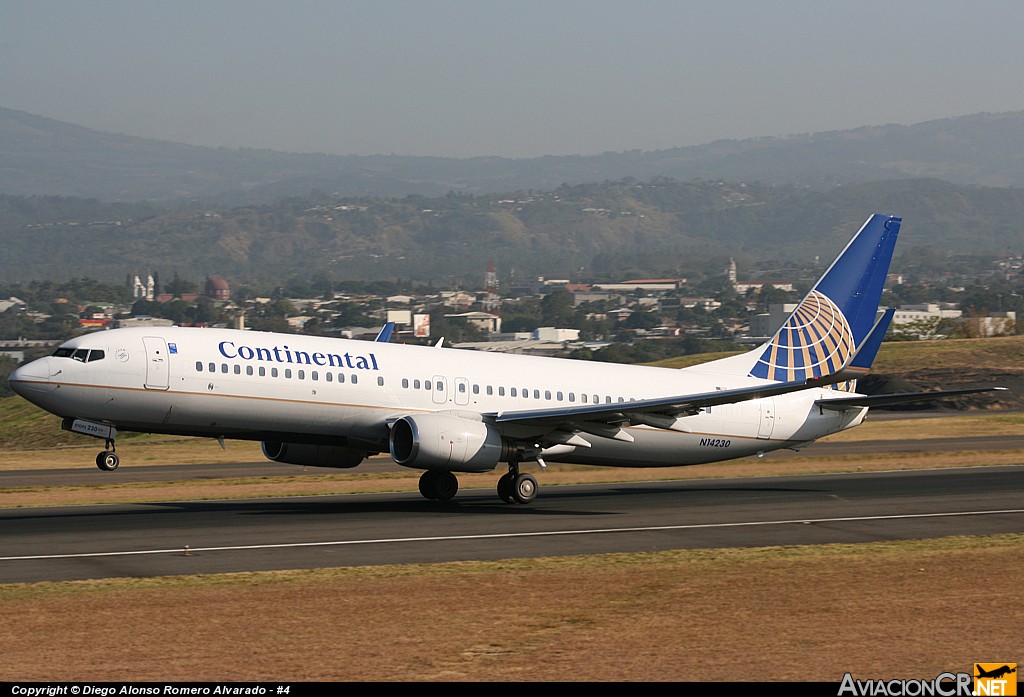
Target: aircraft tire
(428,485)
(108,461)
(446,485)
(505,484)
(524,488)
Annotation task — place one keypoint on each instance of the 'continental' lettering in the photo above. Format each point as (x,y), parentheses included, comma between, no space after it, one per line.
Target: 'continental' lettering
(284,354)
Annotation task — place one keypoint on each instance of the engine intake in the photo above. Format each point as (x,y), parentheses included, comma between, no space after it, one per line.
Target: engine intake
(445,442)
(312,455)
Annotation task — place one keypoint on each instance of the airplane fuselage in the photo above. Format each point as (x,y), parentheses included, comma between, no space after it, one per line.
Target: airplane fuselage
(317,390)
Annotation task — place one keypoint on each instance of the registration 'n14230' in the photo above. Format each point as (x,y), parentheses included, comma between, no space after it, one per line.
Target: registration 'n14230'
(715,442)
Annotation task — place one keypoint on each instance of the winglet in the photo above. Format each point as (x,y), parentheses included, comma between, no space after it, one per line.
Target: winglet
(385,332)
(867,351)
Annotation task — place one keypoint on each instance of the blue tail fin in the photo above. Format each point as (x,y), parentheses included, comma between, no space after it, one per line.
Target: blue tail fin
(833,322)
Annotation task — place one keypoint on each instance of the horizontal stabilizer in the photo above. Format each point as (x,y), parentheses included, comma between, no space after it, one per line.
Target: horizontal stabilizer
(859,401)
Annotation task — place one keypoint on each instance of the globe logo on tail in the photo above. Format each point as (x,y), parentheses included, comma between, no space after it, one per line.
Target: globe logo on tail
(816,340)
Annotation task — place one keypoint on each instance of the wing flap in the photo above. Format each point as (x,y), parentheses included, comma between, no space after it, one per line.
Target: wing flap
(668,408)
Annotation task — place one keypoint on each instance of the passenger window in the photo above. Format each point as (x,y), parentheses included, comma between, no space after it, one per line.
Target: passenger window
(302,375)
(199,366)
(536,394)
(416,384)
(583,398)
(355,379)
(315,375)
(513,392)
(238,369)
(547,394)
(273,372)
(224,367)
(572,396)
(490,390)
(476,389)
(287,372)
(501,391)
(248,370)
(559,396)
(329,376)
(405,382)
(263,371)
(341,377)
(380,381)
(462,387)
(212,367)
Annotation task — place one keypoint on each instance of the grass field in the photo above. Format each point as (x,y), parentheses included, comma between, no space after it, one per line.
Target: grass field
(997,353)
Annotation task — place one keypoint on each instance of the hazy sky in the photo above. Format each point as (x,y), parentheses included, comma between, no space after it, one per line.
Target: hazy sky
(516,78)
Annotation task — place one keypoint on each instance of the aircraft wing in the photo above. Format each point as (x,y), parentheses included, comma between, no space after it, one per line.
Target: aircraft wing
(660,412)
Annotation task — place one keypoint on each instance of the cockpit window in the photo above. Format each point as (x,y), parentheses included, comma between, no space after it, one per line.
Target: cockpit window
(82,355)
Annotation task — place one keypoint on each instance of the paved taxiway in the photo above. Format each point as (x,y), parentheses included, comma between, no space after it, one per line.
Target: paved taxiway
(86,474)
(61,543)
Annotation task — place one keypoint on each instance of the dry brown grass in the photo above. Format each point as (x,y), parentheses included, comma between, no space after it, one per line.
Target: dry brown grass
(903,609)
(887,610)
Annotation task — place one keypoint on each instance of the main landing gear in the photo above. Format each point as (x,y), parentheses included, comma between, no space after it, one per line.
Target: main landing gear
(517,487)
(107,460)
(440,485)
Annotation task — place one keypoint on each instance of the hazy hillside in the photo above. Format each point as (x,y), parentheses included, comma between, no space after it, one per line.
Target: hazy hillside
(40,156)
(660,227)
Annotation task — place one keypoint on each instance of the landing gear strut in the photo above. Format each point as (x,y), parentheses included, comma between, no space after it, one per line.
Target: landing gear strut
(107,460)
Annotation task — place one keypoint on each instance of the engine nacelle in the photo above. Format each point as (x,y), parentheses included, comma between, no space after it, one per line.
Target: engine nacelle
(445,442)
(312,455)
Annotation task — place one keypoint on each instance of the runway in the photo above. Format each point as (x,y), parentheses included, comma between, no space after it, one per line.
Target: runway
(86,474)
(142,540)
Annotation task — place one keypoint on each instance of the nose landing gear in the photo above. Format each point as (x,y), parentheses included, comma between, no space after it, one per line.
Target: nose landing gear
(107,460)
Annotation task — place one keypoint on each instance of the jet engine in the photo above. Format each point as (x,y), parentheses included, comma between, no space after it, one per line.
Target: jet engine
(445,442)
(312,455)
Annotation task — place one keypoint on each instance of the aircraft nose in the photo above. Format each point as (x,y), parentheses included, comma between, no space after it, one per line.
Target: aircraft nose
(31,378)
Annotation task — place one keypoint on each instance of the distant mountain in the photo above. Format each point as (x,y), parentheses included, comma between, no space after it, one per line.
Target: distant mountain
(40,156)
(661,227)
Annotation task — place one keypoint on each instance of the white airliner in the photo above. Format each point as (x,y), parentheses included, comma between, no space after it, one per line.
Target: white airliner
(332,402)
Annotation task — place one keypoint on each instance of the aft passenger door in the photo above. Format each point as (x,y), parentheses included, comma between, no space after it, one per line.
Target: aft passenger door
(767,422)
(158,366)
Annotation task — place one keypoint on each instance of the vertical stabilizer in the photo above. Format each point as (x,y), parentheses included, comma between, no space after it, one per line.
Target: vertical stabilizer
(837,318)
(838,314)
